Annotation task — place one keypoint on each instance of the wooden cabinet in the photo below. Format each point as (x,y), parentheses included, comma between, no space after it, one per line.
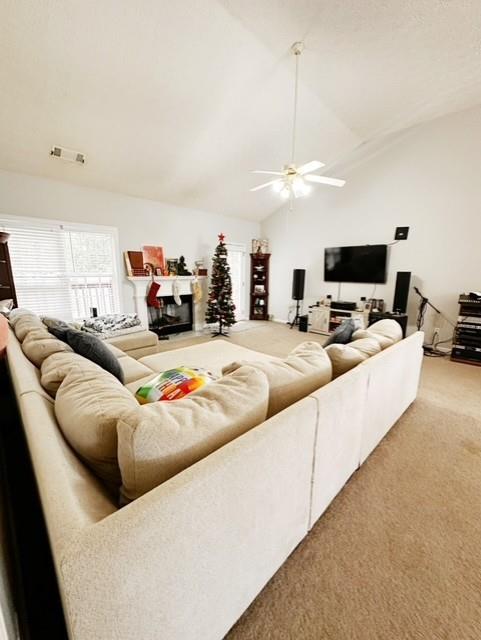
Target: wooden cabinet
(325,320)
(259,286)
(7,286)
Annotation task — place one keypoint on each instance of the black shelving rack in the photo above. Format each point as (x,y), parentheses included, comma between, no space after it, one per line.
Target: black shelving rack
(467,335)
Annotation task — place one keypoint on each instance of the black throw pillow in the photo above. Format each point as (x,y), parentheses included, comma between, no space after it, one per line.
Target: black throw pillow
(90,347)
(343,333)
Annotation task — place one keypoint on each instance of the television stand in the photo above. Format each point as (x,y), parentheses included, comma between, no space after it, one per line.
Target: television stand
(325,320)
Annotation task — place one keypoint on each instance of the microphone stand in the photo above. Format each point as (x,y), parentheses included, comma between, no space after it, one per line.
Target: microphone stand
(420,320)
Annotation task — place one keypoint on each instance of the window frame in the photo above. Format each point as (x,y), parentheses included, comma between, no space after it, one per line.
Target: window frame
(29,221)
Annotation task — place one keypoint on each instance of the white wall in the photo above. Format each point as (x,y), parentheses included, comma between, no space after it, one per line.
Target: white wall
(180,231)
(429,180)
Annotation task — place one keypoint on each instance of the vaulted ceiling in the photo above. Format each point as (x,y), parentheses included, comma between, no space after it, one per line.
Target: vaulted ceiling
(178,101)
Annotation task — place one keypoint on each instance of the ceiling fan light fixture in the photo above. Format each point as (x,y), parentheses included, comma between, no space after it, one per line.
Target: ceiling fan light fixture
(294,180)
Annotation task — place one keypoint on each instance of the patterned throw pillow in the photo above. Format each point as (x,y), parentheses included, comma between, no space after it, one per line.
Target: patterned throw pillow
(173,384)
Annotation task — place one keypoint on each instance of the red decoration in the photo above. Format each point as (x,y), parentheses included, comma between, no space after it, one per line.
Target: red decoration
(152,300)
(221,237)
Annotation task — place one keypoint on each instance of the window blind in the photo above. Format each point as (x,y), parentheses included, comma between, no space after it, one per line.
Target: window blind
(63,271)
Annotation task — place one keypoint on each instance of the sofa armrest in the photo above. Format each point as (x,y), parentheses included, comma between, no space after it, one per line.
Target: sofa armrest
(185,560)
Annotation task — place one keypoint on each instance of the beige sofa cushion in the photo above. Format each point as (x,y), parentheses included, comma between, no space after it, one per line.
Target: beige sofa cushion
(88,404)
(306,369)
(384,341)
(134,370)
(343,358)
(347,356)
(39,344)
(26,322)
(366,346)
(54,369)
(137,340)
(118,353)
(387,328)
(157,441)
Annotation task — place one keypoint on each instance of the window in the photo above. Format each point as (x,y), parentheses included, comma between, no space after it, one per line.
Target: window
(63,270)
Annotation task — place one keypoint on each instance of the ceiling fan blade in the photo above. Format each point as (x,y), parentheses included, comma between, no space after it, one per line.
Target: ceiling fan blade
(334,182)
(271,173)
(266,184)
(309,166)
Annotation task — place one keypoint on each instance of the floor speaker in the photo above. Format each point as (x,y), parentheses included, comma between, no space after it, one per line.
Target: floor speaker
(401,292)
(298,278)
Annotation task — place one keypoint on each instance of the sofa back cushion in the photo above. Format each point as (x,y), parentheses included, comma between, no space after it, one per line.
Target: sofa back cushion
(384,341)
(54,369)
(25,322)
(388,328)
(306,369)
(157,441)
(39,344)
(88,404)
(345,357)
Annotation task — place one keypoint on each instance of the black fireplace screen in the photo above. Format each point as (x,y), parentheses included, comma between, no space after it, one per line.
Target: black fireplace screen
(171,317)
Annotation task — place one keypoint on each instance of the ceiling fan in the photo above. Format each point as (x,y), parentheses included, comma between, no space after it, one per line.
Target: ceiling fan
(293,180)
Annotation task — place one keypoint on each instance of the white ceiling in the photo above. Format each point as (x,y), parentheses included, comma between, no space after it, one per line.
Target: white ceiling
(177,101)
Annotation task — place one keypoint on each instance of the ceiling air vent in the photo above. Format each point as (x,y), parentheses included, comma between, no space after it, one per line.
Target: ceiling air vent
(69,155)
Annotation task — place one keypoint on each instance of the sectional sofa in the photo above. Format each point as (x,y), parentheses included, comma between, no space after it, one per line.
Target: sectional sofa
(184,560)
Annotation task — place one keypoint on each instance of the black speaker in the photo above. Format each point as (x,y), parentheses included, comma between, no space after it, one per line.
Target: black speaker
(298,278)
(401,292)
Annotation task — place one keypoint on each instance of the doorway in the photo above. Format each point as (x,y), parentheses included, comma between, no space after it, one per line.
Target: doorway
(236,259)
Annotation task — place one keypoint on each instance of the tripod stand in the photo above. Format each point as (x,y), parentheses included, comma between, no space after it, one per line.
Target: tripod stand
(295,322)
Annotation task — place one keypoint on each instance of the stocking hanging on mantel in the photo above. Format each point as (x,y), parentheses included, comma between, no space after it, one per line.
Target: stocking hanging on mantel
(152,300)
(220,307)
(196,291)
(176,293)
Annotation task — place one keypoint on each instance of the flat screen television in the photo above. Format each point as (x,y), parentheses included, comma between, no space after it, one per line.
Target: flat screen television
(356,264)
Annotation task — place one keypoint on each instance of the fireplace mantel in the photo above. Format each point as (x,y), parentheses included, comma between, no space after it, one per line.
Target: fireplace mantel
(141,286)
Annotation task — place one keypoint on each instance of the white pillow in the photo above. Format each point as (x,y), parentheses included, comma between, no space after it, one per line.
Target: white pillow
(156,441)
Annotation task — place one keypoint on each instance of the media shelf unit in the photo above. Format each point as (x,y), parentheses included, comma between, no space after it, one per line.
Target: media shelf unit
(259,286)
(325,320)
(467,335)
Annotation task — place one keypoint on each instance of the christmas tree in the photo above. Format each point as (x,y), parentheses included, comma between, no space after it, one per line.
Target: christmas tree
(220,307)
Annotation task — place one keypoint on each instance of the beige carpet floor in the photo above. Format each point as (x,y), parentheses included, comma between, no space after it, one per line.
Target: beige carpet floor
(398,553)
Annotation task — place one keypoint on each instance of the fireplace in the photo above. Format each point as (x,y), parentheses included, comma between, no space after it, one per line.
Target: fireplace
(149,316)
(171,317)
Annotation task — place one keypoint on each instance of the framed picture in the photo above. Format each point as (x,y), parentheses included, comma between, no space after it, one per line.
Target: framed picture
(155,256)
(172,266)
(260,246)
